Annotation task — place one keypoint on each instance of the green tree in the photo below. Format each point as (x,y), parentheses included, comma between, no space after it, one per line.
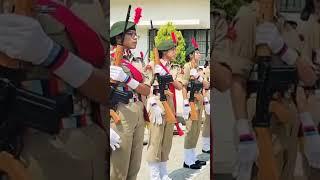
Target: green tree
(231,7)
(164,33)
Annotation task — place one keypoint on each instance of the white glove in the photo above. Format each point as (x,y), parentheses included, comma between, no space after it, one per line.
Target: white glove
(114,140)
(22,38)
(206,105)
(267,33)
(194,73)
(117,74)
(159,70)
(200,79)
(156,115)
(186,110)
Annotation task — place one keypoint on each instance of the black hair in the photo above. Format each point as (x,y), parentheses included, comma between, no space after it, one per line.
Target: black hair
(206,64)
(307,10)
(161,53)
(188,57)
(113,40)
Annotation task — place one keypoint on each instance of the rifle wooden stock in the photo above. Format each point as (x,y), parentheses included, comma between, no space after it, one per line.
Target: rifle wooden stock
(170,117)
(118,55)
(281,111)
(156,56)
(266,161)
(12,167)
(23,7)
(193,111)
(114,116)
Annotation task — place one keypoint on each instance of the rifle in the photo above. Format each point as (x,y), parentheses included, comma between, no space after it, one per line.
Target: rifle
(270,80)
(194,86)
(164,82)
(117,62)
(21,108)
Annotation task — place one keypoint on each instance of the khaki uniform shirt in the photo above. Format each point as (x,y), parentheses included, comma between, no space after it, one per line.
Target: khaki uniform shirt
(185,78)
(310,31)
(152,81)
(242,49)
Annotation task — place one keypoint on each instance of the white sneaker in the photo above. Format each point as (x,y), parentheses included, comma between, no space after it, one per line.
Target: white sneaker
(188,157)
(166,177)
(206,143)
(154,171)
(163,169)
(312,149)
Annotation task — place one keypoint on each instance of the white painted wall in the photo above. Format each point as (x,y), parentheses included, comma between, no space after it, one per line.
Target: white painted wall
(185,14)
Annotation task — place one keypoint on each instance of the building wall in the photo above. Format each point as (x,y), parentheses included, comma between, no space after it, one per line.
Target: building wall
(185,14)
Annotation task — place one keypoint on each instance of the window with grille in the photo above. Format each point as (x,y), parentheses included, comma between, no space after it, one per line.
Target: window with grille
(293,6)
(202,37)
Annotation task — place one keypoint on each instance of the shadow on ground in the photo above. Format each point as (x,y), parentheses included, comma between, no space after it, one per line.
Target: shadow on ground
(185,173)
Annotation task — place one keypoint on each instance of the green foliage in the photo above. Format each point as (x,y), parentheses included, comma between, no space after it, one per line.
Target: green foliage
(231,7)
(164,33)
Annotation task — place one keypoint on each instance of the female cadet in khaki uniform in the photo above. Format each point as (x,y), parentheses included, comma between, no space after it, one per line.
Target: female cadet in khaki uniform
(248,35)
(126,160)
(161,132)
(78,151)
(309,116)
(206,104)
(193,126)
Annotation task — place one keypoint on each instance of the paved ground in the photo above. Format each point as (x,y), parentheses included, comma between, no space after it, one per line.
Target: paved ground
(175,169)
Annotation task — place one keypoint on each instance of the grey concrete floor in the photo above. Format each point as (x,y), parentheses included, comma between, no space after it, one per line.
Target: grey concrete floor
(175,163)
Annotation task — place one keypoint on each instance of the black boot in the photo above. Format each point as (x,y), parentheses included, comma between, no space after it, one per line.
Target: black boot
(201,163)
(192,166)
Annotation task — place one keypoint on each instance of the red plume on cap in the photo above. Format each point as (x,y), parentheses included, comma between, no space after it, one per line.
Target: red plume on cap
(141,54)
(174,39)
(194,43)
(137,15)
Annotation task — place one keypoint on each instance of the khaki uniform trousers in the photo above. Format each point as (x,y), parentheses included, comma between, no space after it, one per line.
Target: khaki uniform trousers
(73,154)
(126,161)
(284,139)
(160,142)
(206,126)
(193,129)
(311,173)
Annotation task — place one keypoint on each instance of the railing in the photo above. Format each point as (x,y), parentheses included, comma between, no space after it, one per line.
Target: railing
(291,6)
